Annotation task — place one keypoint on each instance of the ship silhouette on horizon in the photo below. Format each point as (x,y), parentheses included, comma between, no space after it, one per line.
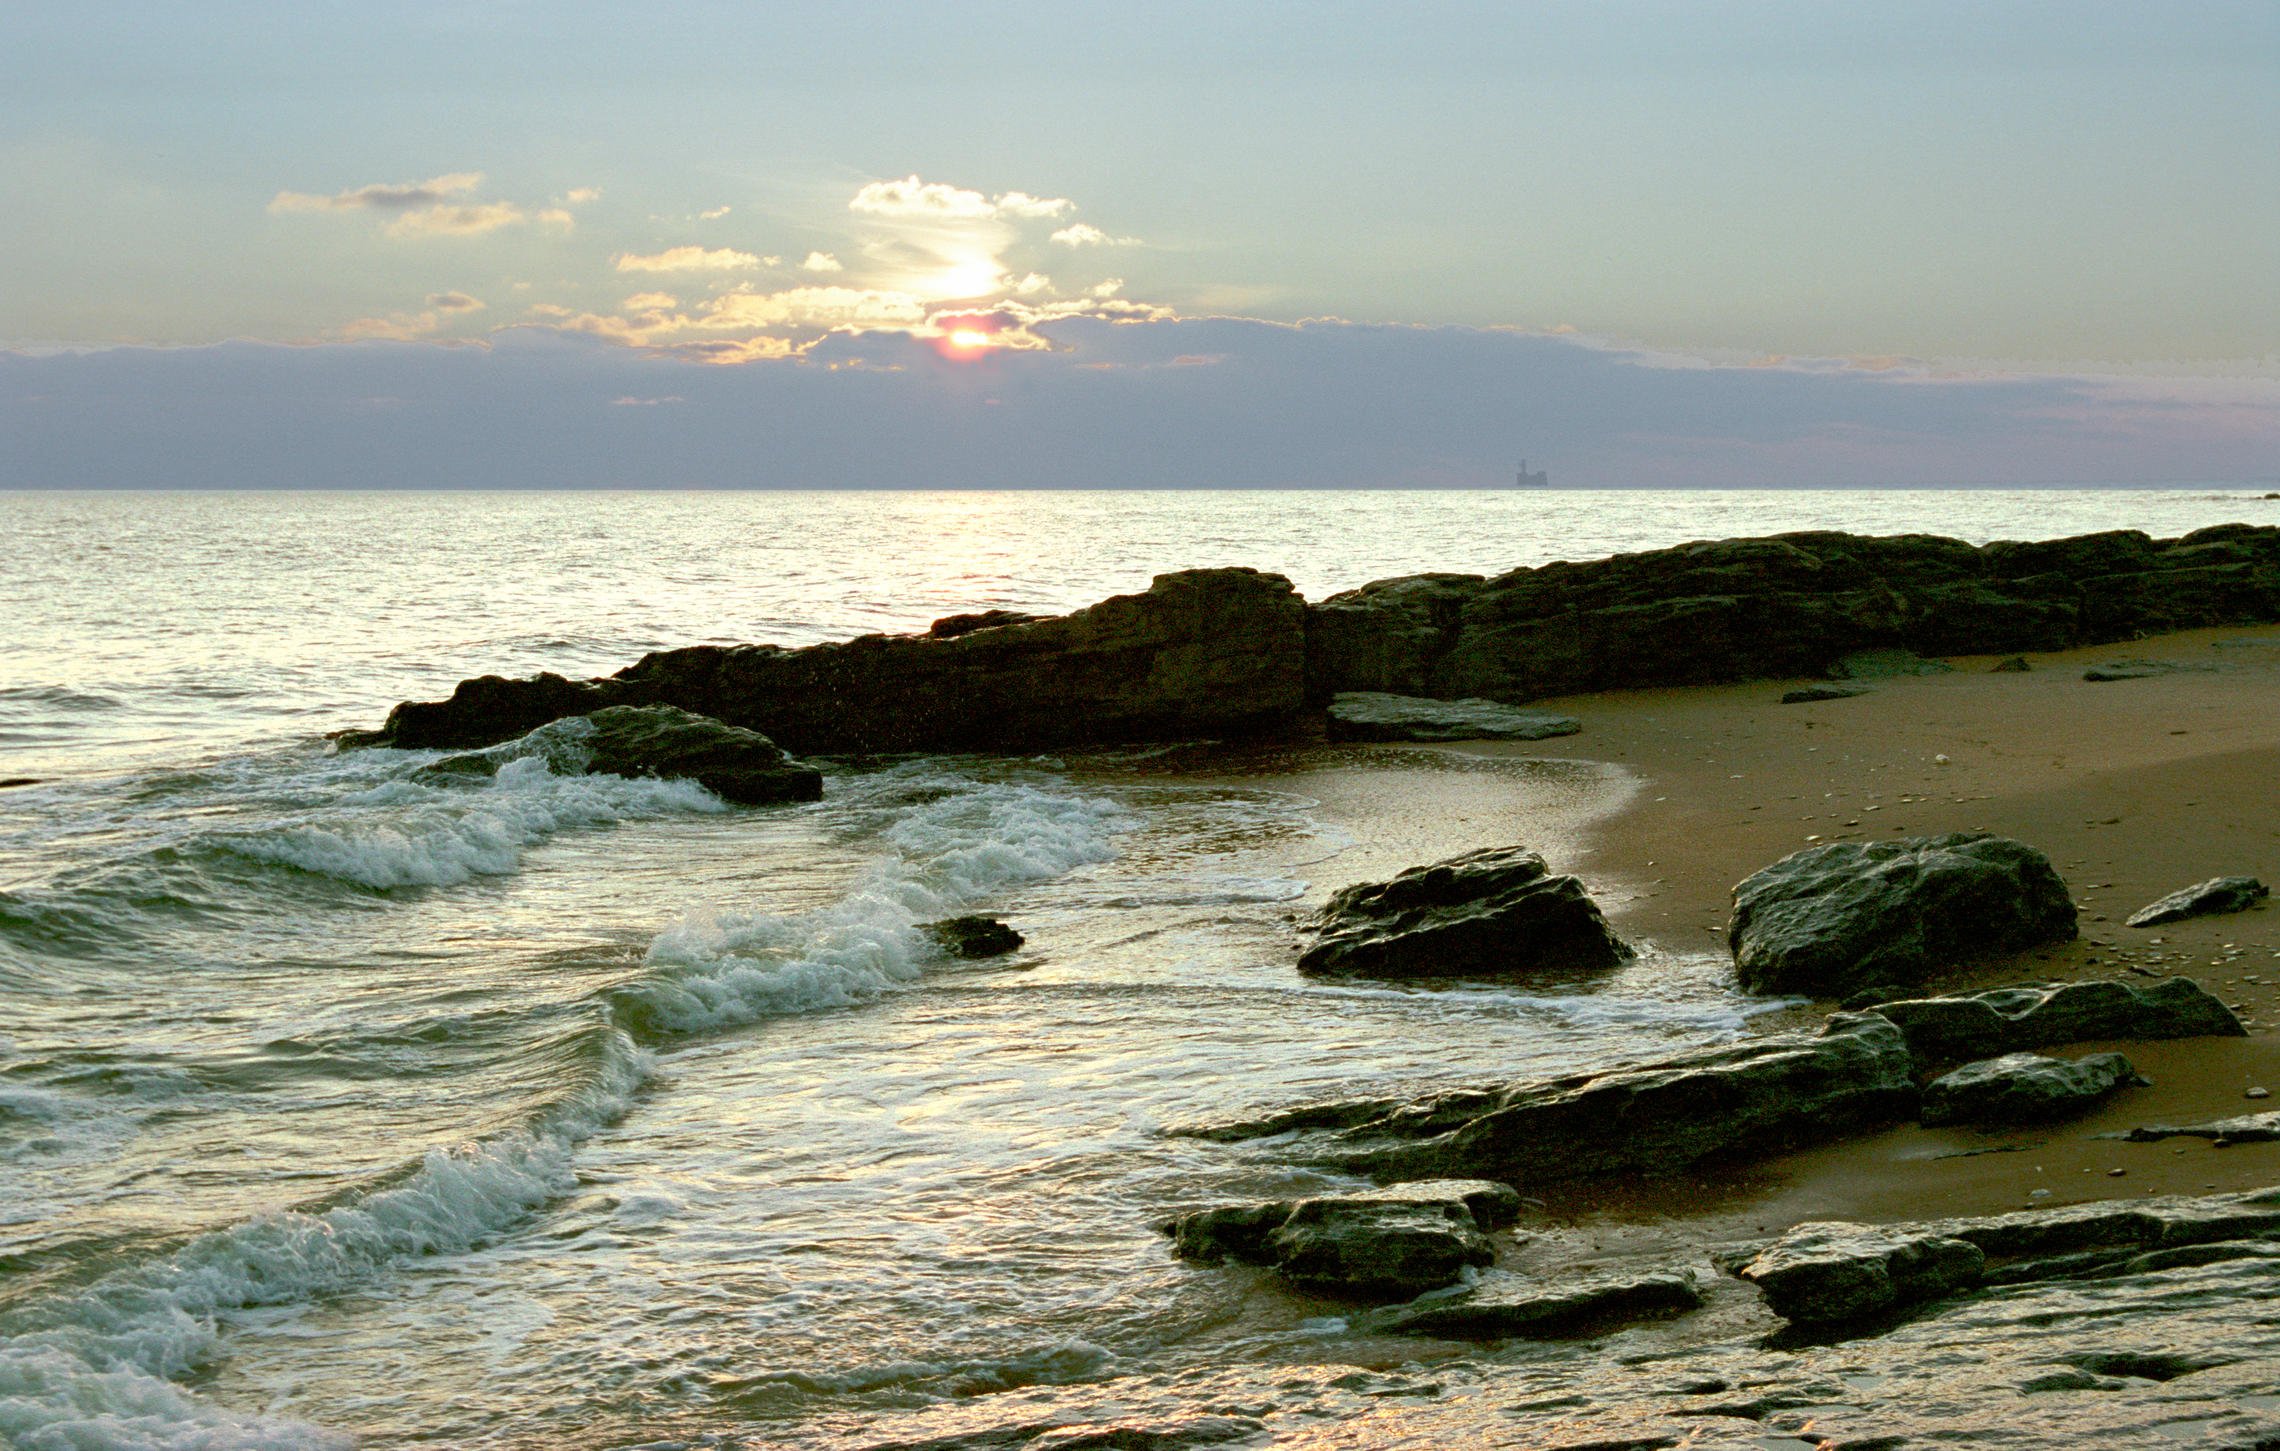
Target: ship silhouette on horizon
(1537,480)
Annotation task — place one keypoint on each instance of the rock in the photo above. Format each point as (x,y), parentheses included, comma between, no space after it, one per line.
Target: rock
(2024,1088)
(2016,665)
(2138,669)
(1753,1097)
(1490,913)
(1886,665)
(1812,693)
(950,627)
(1835,919)
(2009,1020)
(1506,1306)
(1832,1272)
(972,937)
(2248,1128)
(1201,653)
(2208,899)
(1368,715)
(656,741)
(1391,1243)
(11,782)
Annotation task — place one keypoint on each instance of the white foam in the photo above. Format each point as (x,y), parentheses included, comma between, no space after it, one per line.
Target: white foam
(405,833)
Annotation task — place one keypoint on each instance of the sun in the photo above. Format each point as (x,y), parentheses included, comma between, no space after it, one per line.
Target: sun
(969,339)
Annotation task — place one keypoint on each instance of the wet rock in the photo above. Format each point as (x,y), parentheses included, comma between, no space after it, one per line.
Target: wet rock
(1200,653)
(2016,665)
(1497,912)
(950,627)
(1833,1272)
(1391,1243)
(972,937)
(11,782)
(656,741)
(2138,669)
(1836,919)
(2010,1020)
(1753,1097)
(2248,1128)
(1507,1306)
(1809,694)
(2025,1088)
(2207,899)
(1367,715)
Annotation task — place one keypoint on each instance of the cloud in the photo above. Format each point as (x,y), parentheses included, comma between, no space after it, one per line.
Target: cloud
(1085,234)
(578,196)
(713,215)
(557,217)
(629,401)
(451,220)
(441,307)
(937,201)
(686,259)
(650,301)
(453,302)
(814,308)
(822,262)
(381,196)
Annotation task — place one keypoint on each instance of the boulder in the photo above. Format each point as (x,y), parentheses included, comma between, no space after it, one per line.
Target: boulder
(1758,1096)
(972,937)
(1390,1243)
(1201,653)
(2247,1128)
(2024,1088)
(1830,1273)
(1491,913)
(2207,899)
(2010,1020)
(656,741)
(2016,665)
(1506,1306)
(1845,917)
(1369,715)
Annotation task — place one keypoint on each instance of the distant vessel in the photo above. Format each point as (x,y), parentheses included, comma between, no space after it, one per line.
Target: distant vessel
(1537,480)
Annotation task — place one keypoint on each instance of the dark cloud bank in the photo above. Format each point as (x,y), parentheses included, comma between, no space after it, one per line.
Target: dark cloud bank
(1198,403)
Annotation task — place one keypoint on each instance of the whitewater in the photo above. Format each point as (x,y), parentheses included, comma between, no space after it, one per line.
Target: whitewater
(345,1102)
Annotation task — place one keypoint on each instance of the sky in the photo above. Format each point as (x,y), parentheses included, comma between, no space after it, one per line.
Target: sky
(855,244)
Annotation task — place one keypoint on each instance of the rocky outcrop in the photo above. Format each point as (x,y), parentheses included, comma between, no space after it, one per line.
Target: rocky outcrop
(972,937)
(1785,606)
(1497,912)
(2207,899)
(1392,1243)
(1364,715)
(1753,1097)
(2020,1088)
(1844,917)
(1506,1306)
(1202,652)
(2011,1020)
(1830,1273)
(663,742)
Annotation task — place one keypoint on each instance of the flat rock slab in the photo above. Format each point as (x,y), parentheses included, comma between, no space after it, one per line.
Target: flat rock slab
(2025,1088)
(2011,1020)
(2248,1128)
(2138,669)
(1491,913)
(1391,1243)
(1369,715)
(1812,693)
(1757,1096)
(1507,1306)
(1832,1272)
(1846,917)
(2211,898)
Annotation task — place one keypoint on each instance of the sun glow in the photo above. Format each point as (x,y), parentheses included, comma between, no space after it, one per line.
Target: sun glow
(968,339)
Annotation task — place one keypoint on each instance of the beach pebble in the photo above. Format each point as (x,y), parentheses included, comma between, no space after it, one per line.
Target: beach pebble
(1940,760)
(2258,1093)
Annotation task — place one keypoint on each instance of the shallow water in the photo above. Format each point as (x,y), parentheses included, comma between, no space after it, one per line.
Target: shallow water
(342,1101)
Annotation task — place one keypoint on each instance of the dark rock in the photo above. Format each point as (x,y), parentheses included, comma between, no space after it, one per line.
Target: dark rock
(972,937)
(1886,665)
(1377,1244)
(1490,913)
(656,741)
(11,782)
(1834,919)
(950,627)
(1829,1273)
(1752,1097)
(2210,898)
(2248,1128)
(2025,1088)
(2138,669)
(2016,665)
(1504,1306)
(1365,715)
(1810,694)
(2009,1020)
(1202,652)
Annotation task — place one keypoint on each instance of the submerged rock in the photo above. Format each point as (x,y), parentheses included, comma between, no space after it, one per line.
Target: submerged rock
(1837,919)
(1752,1097)
(1368,715)
(972,937)
(2025,1088)
(2009,1020)
(656,741)
(1391,1243)
(1491,913)
(2207,899)
(1829,1273)
(1507,1306)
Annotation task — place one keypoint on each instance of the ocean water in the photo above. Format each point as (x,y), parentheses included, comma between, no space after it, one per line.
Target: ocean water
(342,1104)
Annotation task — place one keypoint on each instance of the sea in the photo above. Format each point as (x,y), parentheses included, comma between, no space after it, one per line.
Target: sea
(344,1104)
